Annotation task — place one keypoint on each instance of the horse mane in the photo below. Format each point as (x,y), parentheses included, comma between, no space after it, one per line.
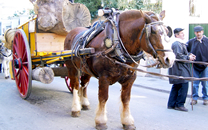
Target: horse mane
(135,14)
(130,14)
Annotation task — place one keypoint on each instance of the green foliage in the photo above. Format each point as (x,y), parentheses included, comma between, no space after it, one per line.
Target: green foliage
(19,13)
(109,3)
(130,4)
(155,7)
(31,13)
(94,5)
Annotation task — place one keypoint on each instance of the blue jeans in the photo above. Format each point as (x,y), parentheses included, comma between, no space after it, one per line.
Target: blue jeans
(178,95)
(204,84)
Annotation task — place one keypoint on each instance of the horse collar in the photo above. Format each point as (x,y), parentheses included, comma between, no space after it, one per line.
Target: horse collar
(116,48)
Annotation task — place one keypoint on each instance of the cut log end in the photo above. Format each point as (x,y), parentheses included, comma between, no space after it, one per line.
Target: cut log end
(44,75)
(61,16)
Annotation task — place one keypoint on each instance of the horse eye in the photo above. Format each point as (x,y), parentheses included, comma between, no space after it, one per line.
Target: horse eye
(153,32)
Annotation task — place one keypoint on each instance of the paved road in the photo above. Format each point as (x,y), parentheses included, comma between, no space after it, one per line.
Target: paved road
(49,107)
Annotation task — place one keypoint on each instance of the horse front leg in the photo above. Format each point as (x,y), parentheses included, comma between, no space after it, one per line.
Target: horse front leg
(126,118)
(76,105)
(83,92)
(101,117)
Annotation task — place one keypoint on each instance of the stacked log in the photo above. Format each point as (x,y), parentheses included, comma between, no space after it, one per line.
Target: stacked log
(60,16)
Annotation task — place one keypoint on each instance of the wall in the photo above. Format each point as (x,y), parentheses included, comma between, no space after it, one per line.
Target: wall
(177,14)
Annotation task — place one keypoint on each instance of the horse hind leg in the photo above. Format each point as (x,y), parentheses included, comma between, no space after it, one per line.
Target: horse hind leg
(76,106)
(126,118)
(83,92)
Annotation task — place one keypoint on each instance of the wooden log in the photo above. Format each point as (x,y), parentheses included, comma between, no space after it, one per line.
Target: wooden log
(44,75)
(75,15)
(60,71)
(8,38)
(53,16)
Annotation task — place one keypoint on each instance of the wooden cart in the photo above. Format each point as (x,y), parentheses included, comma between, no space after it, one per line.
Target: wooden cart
(34,53)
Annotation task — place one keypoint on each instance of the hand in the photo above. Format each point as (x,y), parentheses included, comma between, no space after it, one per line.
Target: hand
(192,57)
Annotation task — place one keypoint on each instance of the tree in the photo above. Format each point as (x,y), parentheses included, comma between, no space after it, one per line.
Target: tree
(29,12)
(130,4)
(155,7)
(94,5)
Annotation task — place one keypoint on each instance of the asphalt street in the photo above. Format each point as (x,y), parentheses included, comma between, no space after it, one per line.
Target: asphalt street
(49,107)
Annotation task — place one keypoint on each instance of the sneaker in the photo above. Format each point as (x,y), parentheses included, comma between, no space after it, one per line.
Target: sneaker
(205,102)
(181,109)
(193,102)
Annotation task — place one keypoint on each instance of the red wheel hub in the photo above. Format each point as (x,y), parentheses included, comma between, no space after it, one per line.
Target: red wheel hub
(18,63)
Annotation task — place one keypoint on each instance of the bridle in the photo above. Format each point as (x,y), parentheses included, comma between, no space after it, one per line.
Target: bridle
(1,52)
(147,31)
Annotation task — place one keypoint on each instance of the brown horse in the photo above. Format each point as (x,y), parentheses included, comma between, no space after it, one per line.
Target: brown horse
(101,65)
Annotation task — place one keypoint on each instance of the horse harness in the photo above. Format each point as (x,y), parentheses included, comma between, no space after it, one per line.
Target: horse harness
(1,51)
(147,31)
(115,47)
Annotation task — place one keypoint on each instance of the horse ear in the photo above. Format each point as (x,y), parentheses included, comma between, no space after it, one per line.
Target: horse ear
(147,18)
(162,15)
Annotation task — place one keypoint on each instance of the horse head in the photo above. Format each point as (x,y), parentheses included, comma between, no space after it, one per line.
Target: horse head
(145,31)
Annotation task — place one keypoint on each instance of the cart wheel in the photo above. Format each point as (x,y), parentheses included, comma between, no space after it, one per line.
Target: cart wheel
(22,65)
(68,84)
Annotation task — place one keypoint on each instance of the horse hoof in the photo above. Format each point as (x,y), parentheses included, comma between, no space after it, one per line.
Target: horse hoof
(75,114)
(129,127)
(101,126)
(84,107)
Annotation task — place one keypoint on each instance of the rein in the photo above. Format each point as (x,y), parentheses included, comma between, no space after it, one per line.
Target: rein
(164,75)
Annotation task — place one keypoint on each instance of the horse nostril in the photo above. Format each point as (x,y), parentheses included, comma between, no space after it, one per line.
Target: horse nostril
(167,61)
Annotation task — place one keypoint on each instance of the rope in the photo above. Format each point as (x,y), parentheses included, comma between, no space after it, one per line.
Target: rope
(164,75)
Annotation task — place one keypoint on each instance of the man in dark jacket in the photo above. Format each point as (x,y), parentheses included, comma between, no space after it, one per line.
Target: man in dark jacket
(179,89)
(199,47)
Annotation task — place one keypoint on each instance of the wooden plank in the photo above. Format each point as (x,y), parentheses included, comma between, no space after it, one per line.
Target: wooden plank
(25,28)
(32,44)
(49,42)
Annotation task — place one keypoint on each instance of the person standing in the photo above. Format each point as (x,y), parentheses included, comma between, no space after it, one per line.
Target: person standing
(199,47)
(1,56)
(179,88)
(0,63)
